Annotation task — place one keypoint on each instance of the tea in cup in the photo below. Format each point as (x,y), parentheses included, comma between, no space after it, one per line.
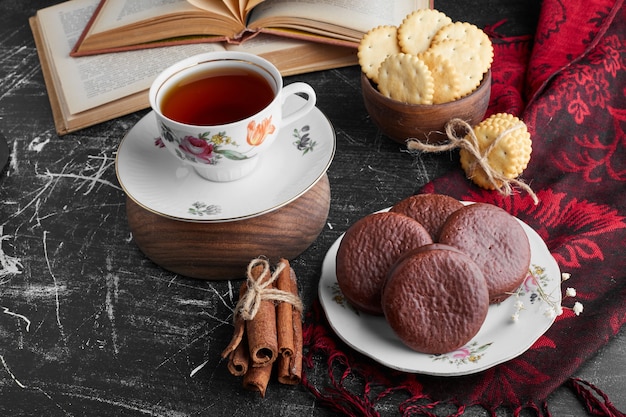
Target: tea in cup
(218,111)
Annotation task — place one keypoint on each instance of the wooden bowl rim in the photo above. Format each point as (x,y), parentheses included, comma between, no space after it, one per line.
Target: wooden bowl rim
(484,84)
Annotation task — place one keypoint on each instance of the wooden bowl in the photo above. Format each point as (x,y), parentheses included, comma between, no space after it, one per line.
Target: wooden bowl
(401,121)
(219,251)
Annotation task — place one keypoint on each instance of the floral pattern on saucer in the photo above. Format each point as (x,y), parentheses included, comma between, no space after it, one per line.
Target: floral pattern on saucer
(201,209)
(207,149)
(157,180)
(303,141)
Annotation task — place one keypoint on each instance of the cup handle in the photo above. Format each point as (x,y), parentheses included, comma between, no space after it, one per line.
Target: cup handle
(294,88)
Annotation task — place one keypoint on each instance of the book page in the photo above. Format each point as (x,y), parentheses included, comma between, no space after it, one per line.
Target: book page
(88,82)
(233,7)
(219,7)
(251,4)
(358,15)
(118,13)
(263,44)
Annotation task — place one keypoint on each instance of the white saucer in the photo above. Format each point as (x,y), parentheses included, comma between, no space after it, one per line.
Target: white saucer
(158,182)
(499,339)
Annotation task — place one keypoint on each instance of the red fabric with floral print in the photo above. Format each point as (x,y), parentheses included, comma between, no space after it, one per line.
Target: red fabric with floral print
(568,84)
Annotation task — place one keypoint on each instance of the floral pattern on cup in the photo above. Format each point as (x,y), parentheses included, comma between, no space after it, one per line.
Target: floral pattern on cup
(257,132)
(206,148)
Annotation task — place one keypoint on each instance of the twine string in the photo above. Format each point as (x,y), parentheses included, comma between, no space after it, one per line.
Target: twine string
(260,290)
(469,142)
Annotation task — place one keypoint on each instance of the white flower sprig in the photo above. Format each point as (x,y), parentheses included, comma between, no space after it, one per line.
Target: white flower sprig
(570,293)
(554,309)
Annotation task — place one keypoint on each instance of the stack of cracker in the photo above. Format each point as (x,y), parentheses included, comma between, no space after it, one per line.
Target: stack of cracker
(503,143)
(427,59)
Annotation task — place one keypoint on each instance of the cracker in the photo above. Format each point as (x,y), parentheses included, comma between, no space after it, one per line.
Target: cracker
(509,157)
(501,121)
(454,30)
(472,35)
(445,77)
(467,64)
(417,29)
(375,46)
(406,78)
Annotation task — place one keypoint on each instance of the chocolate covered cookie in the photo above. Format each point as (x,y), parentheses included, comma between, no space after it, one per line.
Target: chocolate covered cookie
(430,210)
(495,240)
(435,299)
(366,252)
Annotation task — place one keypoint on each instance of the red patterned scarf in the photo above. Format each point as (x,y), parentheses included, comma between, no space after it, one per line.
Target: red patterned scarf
(568,83)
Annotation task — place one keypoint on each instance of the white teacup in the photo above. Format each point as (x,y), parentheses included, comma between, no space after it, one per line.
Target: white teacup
(218,111)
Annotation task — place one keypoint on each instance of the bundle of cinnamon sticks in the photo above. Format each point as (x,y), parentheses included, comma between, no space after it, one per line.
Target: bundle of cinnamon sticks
(268,327)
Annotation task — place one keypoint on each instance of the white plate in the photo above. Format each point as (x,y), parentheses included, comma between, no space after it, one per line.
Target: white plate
(157,181)
(499,339)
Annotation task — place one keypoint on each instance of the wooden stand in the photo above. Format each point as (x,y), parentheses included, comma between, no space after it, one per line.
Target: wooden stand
(219,251)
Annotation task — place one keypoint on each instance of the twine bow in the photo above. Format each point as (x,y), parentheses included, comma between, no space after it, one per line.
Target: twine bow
(260,289)
(469,142)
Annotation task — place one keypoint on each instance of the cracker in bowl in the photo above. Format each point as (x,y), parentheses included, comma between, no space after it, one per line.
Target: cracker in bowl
(406,78)
(375,46)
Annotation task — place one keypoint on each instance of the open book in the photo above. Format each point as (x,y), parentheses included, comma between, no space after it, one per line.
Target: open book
(84,91)
(119,25)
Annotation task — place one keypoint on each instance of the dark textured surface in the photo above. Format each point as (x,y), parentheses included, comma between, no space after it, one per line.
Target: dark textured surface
(92,327)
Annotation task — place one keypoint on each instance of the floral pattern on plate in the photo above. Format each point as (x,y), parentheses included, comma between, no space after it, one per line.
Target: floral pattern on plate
(500,338)
(471,353)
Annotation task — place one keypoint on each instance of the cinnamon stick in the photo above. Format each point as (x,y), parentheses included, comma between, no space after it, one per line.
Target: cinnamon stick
(257,378)
(240,326)
(239,359)
(289,331)
(268,327)
(284,315)
(261,331)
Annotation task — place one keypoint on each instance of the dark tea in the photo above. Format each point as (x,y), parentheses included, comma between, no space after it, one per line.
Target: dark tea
(217,97)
